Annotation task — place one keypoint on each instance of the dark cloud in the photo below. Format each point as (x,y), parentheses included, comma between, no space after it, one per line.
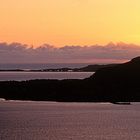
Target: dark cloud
(22,53)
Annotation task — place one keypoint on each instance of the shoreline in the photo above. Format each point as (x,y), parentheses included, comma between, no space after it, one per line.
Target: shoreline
(117,103)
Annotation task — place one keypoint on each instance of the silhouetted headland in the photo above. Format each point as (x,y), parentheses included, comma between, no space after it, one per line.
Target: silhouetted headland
(117,83)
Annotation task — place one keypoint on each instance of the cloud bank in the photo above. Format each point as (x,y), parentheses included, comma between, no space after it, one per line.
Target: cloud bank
(110,53)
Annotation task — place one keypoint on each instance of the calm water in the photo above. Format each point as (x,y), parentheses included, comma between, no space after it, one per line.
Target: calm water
(4,76)
(68,121)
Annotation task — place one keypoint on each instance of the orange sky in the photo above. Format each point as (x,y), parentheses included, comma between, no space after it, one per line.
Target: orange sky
(69,22)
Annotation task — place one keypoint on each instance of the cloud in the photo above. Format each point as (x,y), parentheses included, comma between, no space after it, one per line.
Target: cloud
(110,53)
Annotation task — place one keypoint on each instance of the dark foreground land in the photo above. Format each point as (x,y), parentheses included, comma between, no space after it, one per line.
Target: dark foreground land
(115,83)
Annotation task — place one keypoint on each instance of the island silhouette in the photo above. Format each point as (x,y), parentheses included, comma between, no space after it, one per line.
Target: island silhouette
(114,83)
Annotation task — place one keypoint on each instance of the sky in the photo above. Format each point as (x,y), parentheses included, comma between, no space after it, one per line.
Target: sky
(69,22)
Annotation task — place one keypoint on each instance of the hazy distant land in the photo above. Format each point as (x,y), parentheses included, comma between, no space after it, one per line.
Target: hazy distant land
(89,68)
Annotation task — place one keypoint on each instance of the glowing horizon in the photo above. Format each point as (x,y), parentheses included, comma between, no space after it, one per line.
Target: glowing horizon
(69,22)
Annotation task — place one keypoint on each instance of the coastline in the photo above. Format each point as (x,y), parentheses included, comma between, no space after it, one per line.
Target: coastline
(119,83)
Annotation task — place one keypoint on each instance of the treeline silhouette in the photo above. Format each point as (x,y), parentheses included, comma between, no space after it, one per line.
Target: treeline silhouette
(110,84)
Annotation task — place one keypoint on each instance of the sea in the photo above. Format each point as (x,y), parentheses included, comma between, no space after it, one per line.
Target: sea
(22,75)
(29,120)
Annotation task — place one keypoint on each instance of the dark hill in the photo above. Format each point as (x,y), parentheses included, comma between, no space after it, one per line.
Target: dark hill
(120,82)
(93,68)
(126,72)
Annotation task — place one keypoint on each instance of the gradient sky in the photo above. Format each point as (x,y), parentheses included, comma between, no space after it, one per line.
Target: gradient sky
(69,22)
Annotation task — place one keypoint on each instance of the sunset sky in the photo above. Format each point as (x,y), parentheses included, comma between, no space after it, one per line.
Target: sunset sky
(69,22)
